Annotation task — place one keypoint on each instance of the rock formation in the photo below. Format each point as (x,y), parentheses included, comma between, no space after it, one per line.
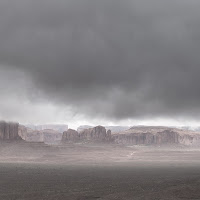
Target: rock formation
(51,136)
(9,131)
(96,134)
(22,131)
(70,136)
(46,136)
(30,135)
(114,129)
(149,135)
(138,135)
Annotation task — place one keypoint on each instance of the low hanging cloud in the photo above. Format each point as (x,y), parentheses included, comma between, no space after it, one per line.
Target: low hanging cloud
(112,59)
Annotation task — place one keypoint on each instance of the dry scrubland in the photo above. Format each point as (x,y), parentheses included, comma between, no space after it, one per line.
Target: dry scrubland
(87,172)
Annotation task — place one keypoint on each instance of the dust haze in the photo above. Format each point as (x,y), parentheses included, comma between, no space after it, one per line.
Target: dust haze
(100,62)
(82,172)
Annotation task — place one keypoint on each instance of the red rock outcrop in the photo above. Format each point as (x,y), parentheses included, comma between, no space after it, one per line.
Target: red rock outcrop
(46,136)
(9,131)
(141,135)
(30,135)
(165,137)
(70,136)
(113,129)
(22,131)
(149,135)
(96,134)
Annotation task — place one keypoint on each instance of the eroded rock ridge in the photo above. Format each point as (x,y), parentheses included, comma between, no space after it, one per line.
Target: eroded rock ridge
(9,131)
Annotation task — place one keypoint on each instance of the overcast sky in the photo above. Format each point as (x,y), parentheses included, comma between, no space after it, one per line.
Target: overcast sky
(100,61)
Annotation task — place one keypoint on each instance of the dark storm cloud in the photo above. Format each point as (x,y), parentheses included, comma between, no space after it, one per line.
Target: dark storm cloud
(113,58)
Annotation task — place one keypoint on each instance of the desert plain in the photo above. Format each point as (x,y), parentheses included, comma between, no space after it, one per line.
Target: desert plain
(32,171)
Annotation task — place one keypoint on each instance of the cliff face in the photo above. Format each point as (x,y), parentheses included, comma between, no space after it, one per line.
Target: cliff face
(70,136)
(165,137)
(135,136)
(97,134)
(51,136)
(30,135)
(190,140)
(157,136)
(46,136)
(9,131)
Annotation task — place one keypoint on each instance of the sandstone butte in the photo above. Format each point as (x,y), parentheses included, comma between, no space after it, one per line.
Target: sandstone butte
(137,135)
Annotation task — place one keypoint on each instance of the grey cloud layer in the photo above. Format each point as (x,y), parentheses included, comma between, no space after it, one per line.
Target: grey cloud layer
(108,58)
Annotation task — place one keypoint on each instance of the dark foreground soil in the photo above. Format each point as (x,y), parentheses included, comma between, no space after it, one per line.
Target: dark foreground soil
(105,173)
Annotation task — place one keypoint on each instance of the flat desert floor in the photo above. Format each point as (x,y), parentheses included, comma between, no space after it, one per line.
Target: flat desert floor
(103,172)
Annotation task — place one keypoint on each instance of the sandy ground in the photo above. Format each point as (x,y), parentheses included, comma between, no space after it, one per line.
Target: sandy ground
(81,172)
